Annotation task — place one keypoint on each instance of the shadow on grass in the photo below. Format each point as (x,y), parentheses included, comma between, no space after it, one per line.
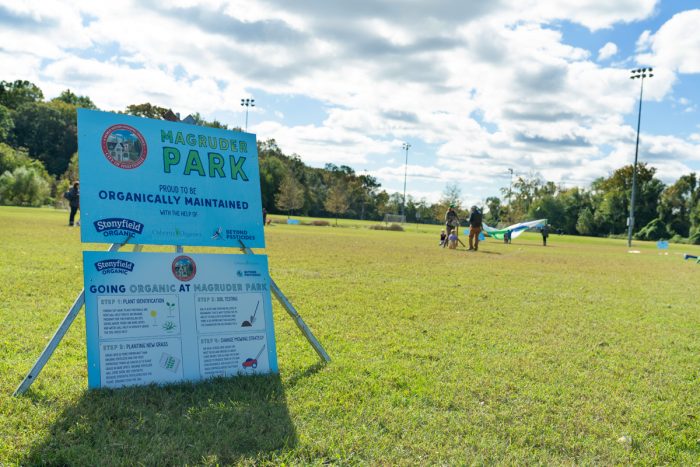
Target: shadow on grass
(217,421)
(302,375)
(481,252)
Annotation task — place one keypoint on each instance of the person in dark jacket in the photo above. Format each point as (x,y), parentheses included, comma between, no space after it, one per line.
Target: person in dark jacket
(73,197)
(545,234)
(475,224)
(506,236)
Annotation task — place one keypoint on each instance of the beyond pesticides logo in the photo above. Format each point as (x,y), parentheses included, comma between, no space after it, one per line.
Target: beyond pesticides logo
(124,146)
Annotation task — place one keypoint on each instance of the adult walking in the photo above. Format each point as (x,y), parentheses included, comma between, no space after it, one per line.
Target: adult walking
(475,224)
(451,221)
(73,197)
(545,234)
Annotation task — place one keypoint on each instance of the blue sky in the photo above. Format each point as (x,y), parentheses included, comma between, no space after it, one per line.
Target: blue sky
(476,88)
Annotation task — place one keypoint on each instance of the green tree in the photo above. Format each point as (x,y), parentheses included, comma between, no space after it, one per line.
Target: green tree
(273,169)
(548,207)
(6,123)
(69,97)
(11,158)
(452,195)
(614,193)
(381,201)
(394,203)
(423,211)
(337,200)
(49,132)
(574,201)
(147,110)
(24,186)
(18,93)
(199,120)
(71,172)
(525,191)
(495,210)
(695,224)
(654,230)
(290,195)
(585,225)
(677,202)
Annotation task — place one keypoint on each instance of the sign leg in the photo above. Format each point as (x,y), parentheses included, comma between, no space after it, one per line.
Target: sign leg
(294,314)
(51,346)
(299,322)
(56,339)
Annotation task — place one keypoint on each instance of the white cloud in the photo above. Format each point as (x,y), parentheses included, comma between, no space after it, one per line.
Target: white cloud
(607,51)
(484,85)
(676,45)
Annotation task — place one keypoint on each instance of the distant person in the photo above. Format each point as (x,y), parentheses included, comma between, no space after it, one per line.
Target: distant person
(73,197)
(264,217)
(475,224)
(452,240)
(545,234)
(506,237)
(451,220)
(443,238)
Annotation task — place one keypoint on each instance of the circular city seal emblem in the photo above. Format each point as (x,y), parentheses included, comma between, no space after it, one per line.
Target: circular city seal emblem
(184,268)
(124,146)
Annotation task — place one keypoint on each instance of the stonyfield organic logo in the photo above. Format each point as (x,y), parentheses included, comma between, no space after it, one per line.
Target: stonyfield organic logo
(115,226)
(114,266)
(124,146)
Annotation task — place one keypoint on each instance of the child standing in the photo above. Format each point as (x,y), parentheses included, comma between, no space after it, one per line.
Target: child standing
(452,240)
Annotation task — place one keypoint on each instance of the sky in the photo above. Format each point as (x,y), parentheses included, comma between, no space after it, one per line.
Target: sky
(478,89)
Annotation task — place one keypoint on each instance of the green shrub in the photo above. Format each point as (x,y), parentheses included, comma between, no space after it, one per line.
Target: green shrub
(678,239)
(654,230)
(695,238)
(394,227)
(24,186)
(318,223)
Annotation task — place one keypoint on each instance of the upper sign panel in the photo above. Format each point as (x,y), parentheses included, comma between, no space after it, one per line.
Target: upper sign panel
(167,183)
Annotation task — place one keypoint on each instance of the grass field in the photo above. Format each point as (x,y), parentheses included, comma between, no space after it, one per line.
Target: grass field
(579,352)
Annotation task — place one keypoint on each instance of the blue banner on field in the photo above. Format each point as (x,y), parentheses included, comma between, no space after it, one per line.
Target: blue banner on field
(167,183)
(169,317)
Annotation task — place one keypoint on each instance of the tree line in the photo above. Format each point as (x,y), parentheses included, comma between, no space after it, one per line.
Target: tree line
(38,160)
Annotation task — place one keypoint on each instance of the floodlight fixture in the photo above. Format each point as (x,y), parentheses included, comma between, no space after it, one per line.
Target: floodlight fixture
(247,103)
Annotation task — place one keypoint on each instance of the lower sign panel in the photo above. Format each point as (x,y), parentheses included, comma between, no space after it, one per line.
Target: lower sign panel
(163,318)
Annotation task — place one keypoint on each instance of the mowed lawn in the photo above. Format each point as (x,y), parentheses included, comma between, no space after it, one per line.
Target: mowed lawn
(578,352)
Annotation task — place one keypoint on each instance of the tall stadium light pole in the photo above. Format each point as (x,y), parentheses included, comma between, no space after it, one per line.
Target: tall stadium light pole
(640,73)
(247,103)
(510,194)
(406,147)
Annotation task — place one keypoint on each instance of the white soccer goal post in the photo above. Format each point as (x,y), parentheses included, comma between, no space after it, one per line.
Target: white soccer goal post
(394,218)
